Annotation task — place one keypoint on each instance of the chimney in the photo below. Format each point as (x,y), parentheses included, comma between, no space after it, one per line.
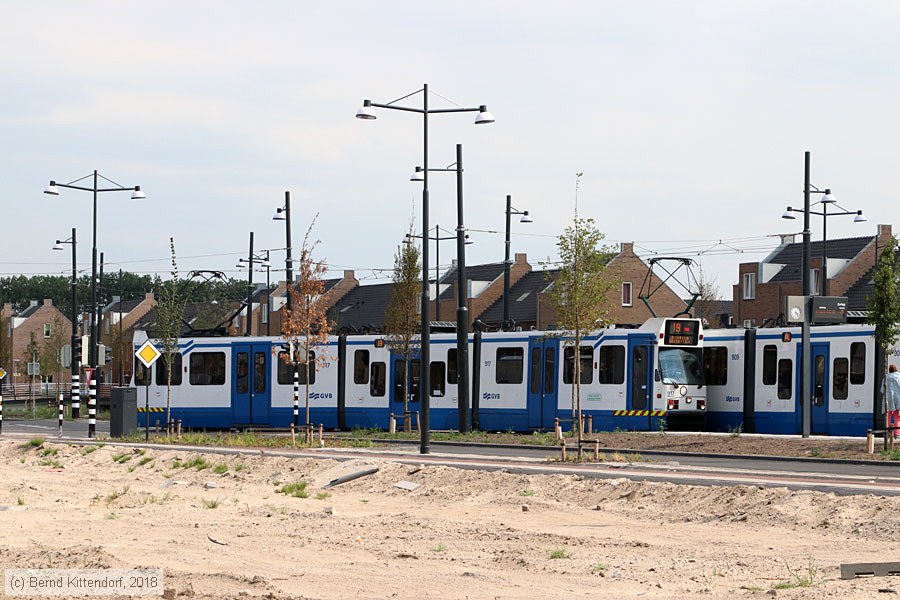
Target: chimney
(626,248)
(48,301)
(521,257)
(349,274)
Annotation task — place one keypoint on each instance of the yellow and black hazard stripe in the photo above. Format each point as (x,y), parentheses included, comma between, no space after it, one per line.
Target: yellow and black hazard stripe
(151,409)
(639,413)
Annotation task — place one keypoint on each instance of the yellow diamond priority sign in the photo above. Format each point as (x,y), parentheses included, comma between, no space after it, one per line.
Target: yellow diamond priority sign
(2,372)
(148,354)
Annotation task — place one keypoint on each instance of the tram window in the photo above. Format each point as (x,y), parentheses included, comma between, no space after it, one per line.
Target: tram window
(769,366)
(361,367)
(715,365)
(414,378)
(509,365)
(549,370)
(857,363)
(208,368)
(141,374)
(242,377)
(586,356)
(436,378)
(259,372)
(304,369)
(839,387)
(452,370)
(413,381)
(162,371)
(612,365)
(377,379)
(285,369)
(785,377)
(535,370)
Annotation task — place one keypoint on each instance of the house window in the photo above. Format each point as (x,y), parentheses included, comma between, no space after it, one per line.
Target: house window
(749,286)
(264,316)
(814,282)
(48,330)
(626,293)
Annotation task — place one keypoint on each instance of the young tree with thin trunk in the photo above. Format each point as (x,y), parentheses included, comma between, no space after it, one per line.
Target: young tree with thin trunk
(305,325)
(402,319)
(170,314)
(707,302)
(580,295)
(884,308)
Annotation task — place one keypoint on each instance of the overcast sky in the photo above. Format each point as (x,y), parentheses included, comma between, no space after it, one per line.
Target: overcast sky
(689,121)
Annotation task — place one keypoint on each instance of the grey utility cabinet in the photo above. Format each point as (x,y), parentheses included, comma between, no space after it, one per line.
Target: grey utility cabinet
(122,411)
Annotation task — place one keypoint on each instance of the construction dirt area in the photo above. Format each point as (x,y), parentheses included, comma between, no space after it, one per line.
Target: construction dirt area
(257,526)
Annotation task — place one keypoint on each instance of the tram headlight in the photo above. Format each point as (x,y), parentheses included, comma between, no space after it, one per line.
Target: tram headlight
(701,404)
(683,390)
(688,400)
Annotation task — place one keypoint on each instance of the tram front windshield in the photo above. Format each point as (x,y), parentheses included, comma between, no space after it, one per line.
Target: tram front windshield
(681,366)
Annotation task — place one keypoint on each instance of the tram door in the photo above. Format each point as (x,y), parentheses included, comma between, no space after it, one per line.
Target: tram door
(397,390)
(542,378)
(250,393)
(640,386)
(820,378)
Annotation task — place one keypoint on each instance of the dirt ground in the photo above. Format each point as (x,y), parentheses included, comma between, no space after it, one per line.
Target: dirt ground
(224,530)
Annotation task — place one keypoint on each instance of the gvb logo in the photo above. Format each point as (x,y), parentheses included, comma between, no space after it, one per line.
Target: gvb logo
(321,396)
(490,396)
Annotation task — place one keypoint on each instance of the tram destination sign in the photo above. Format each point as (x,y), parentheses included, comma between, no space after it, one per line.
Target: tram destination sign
(681,332)
(827,310)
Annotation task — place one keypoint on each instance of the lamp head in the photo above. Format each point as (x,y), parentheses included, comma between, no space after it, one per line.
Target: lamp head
(52,189)
(526,218)
(418,175)
(366,112)
(265,264)
(860,217)
(279,215)
(137,194)
(240,264)
(788,214)
(468,241)
(828,198)
(483,117)
(58,246)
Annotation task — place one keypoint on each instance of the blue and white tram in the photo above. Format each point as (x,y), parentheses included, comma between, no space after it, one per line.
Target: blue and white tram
(754,380)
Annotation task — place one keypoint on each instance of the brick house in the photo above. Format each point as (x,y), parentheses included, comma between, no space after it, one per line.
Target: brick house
(48,327)
(762,287)
(117,332)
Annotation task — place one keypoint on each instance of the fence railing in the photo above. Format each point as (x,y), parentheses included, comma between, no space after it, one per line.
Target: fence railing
(50,391)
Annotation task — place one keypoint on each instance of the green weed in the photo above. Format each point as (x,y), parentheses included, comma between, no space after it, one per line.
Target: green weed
(36,442)
(211,503)
(526,493)
(297,490)
(122,457)
(322,495)
(220,469)
(559,553)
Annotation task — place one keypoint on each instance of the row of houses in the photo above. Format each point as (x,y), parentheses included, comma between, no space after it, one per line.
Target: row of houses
(758,301)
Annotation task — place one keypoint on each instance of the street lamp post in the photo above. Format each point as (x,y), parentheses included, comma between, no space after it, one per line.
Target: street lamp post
(437,238)
(526,218)
(806,351)
(284,214)
(483,117)
(252,258)
(75,363)
(462,294)
(136,194)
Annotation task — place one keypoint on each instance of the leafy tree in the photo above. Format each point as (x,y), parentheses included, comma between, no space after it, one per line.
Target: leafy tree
(170,313)
(884,307)
(580,294)
(708,300)
(402,318)
(305,325)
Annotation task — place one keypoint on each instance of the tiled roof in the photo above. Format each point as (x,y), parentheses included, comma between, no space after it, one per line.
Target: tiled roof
(29,311)
(523,299)
(486,272)
(363,306)
(126,306)
(791,255)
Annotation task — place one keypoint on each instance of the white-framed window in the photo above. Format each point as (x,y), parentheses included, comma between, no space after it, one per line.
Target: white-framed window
(749,323)
(749,286)
(815,283)
(48,330)
(265,312)
(626,293)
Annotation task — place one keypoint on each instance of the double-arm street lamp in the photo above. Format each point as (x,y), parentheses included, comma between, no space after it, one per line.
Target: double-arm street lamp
(75,365)
(827,198)
(367,112)
(136,194)
(805,349)
(284,214)
(507,262)
(262,259)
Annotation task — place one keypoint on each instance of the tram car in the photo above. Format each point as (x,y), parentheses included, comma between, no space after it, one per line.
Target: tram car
(669,373)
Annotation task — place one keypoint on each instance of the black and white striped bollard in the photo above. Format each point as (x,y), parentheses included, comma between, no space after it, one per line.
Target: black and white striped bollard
(76,391)
(59,407)
(296,396)
(92,406)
